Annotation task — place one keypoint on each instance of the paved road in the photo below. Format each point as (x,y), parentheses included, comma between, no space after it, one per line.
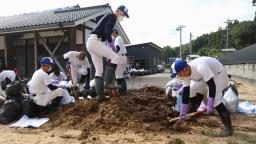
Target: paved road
(159,80)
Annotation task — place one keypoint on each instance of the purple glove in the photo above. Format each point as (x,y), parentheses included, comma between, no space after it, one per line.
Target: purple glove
(210,107)
(54,82)
(178,85)
(183,111)
(112,46)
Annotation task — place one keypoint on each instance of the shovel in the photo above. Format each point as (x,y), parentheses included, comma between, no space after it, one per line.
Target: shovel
(198,113)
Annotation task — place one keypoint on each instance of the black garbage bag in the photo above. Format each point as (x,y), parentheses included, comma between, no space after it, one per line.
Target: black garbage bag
(5,83)
(29,108)
(92,92)
(10,111)
(14,90)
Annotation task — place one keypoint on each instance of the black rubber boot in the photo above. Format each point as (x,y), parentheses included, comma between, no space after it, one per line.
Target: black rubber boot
(109,77)
(55,103)
(124,85)
(120,90)
(100,89)
(226,120)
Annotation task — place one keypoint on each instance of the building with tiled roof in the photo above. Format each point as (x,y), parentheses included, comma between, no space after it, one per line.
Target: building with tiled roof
(26,38)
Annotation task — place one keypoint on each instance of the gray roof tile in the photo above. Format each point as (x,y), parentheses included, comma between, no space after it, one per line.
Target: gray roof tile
(50,18)
(245,55)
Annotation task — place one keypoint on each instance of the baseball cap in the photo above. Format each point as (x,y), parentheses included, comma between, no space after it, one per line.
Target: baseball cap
(46,60)
(124,10)
(115,30)
(178,66)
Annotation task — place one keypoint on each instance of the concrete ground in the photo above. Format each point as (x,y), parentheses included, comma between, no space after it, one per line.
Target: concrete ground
(159,80)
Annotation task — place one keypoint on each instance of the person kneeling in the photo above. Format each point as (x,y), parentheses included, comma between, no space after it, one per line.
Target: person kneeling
(43,91)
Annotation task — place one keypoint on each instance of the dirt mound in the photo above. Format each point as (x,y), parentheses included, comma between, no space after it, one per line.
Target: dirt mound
(140,110)
(176,141)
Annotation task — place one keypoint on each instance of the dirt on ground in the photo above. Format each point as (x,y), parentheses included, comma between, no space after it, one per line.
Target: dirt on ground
(143,110)
(139,117)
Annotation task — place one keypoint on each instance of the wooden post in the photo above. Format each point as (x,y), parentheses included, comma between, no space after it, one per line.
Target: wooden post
(10,55)
(52,53)
(36,49)
(72,38)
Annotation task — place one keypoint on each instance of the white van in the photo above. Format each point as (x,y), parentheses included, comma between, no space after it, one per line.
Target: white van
(191,57)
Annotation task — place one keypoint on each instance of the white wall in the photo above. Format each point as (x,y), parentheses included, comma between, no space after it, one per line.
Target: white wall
(43,34)
(242,70)
(87,32)
(79,37)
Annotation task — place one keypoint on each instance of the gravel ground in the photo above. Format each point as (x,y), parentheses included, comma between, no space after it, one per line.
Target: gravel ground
(158,80)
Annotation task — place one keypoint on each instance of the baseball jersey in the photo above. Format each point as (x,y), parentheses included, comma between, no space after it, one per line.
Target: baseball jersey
(7,74)
(104,27)
(119,42)
(203,69)
(73,59)
(39,82)
(61,76)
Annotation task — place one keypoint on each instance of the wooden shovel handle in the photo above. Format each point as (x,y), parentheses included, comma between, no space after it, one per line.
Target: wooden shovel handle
(198,113)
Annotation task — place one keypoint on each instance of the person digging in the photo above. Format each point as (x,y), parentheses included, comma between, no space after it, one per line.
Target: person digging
(201,76)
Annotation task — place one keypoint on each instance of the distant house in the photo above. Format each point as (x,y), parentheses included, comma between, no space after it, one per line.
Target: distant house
(145,55)
(26,38)
(228,50)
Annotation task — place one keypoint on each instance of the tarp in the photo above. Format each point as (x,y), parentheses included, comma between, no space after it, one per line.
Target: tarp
(25,121)
(246,108)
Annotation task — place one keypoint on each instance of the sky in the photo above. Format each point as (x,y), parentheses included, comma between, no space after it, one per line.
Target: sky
(154,20)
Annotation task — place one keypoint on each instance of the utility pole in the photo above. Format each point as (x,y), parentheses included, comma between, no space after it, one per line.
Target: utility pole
(179,28)
(227,22)
(190,43)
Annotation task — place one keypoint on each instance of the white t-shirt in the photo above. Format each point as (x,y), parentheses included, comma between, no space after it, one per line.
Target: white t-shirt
(203,69)
(7,74)
(39,81)
(61,77)
(119,42)
(73,59)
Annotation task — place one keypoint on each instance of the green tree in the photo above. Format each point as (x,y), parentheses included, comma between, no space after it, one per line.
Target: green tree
(244,34)
(168,52)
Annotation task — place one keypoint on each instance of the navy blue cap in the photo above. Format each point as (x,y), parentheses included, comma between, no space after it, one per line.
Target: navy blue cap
(46,60)
(178,66)
(115,30)
(124,10)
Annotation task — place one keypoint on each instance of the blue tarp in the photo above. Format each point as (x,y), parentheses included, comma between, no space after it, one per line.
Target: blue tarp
(246,108)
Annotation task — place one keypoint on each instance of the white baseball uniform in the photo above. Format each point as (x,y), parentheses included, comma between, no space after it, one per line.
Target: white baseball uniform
(121,66)
(43,95)
(203,69)
(61,77)
(98,50)
(78,67)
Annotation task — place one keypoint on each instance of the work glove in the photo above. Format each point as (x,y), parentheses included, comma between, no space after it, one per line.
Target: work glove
(54,82)
(183,111)
(210,107)
(112,46)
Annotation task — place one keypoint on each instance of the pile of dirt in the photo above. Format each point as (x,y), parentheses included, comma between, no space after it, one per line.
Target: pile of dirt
(176,141)
(141,110)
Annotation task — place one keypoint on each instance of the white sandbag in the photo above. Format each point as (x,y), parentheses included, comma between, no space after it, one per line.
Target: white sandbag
(231,99)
